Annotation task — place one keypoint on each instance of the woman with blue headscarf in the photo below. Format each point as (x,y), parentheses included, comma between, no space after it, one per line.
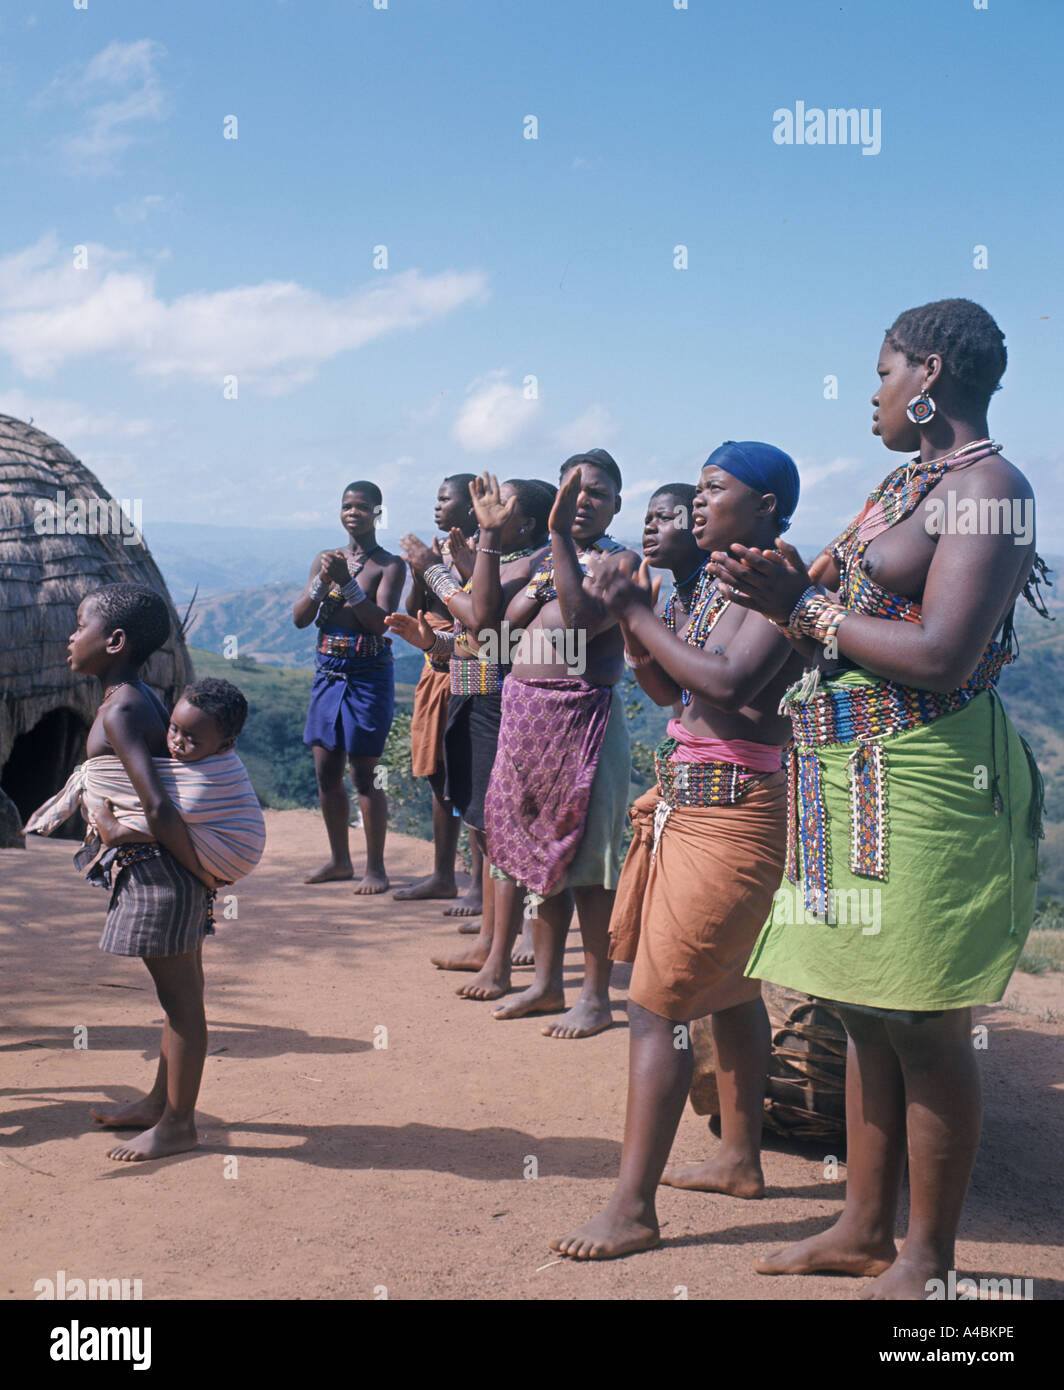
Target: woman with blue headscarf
(706,856)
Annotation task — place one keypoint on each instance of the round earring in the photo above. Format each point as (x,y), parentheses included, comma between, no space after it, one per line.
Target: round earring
(921,409)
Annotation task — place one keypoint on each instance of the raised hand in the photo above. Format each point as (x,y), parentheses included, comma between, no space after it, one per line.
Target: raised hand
(462,556)
(563,513)
(491,511)
(416,631)
(770,582)
(418,555)
(617,588)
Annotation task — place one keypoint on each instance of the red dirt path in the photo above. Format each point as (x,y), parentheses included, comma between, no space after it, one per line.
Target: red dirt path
(360,1167)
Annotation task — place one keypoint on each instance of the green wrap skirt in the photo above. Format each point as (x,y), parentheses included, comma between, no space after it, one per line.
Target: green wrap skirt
(946,848)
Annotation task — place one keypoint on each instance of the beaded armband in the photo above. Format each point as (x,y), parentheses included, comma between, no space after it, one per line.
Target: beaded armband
(441,582)
(315,587)
(352,592)
(635,661)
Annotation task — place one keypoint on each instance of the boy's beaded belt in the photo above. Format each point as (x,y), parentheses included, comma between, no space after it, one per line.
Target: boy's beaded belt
(476,677)
(361,644)
(696,784)
(862,715)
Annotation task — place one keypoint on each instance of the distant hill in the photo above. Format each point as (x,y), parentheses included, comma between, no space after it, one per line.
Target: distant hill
(261,620)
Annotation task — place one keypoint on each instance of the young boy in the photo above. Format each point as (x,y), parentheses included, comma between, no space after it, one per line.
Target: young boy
(160,905)
(454,513)
(350,593)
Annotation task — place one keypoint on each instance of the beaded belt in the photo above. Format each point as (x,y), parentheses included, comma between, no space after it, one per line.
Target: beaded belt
(135,854)
(862,715)
(361,644)
(476,677)
(695,784)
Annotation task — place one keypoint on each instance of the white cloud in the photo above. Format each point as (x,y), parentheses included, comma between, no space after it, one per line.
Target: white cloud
(494,415)
(118,94)
(70,422)
(273,334)
(812,475)
(140,209)
(591,430)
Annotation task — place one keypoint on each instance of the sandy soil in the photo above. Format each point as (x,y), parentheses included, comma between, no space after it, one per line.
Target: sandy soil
(358,1166)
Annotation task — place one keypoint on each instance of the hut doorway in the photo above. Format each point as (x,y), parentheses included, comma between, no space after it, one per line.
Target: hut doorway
(42,760)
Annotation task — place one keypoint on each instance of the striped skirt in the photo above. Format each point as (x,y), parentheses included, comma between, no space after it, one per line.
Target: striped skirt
(157,908)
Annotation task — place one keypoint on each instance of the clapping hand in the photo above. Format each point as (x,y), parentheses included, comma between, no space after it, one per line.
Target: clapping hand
(769,581)
(334,567)
(492,512)
(418,555)
(617,588)
(417,631)
(462,557)
(563,513)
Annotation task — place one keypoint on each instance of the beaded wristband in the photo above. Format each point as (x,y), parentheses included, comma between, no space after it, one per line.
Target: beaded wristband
(808,593)
(637,660)
(316,587)
(440,581)
(486,550)
(352,592)
(442,645)
(817,617)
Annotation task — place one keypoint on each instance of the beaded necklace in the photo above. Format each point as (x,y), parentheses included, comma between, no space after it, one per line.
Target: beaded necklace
(669,615)
(707,608)
(896,497)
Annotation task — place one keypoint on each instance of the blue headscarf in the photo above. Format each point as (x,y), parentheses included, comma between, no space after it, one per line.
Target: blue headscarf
(764,468)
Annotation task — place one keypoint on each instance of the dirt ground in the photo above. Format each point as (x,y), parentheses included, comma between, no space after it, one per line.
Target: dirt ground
(361,1168)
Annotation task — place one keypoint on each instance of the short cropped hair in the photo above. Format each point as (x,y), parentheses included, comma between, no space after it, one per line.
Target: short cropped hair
(222,701)
(683,492)
(970,343)
(461,481)
(598,458)
(140,612)
(371,490)
(535,498)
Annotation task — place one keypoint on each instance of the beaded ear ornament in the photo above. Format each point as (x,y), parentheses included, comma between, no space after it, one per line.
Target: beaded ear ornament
(920,409)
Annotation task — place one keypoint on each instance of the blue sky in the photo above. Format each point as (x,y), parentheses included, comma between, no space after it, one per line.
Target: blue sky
(509,257)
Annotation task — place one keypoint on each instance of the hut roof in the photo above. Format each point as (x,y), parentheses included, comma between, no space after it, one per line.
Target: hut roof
(43,578)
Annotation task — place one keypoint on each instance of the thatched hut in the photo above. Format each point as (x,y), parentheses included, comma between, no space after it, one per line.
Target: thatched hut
(61,535)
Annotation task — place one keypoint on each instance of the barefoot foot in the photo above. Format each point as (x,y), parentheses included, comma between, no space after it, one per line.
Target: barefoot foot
(167,1137)
(524,951)
(469,905)
(736,1177)
(586,1018)
(472,958)
(487,983)
(537,999)
(371,882)
(330,872)
(906,1280)
(834,1251)
(431,887)
(469,929)
(608,1236)
(139,1114)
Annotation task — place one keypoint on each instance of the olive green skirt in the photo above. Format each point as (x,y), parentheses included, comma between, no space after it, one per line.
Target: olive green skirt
(944,926)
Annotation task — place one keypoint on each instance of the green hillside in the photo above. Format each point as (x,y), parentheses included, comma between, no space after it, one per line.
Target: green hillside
(282,769)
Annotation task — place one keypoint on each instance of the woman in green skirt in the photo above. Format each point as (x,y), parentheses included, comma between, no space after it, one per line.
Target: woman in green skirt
(915,806)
